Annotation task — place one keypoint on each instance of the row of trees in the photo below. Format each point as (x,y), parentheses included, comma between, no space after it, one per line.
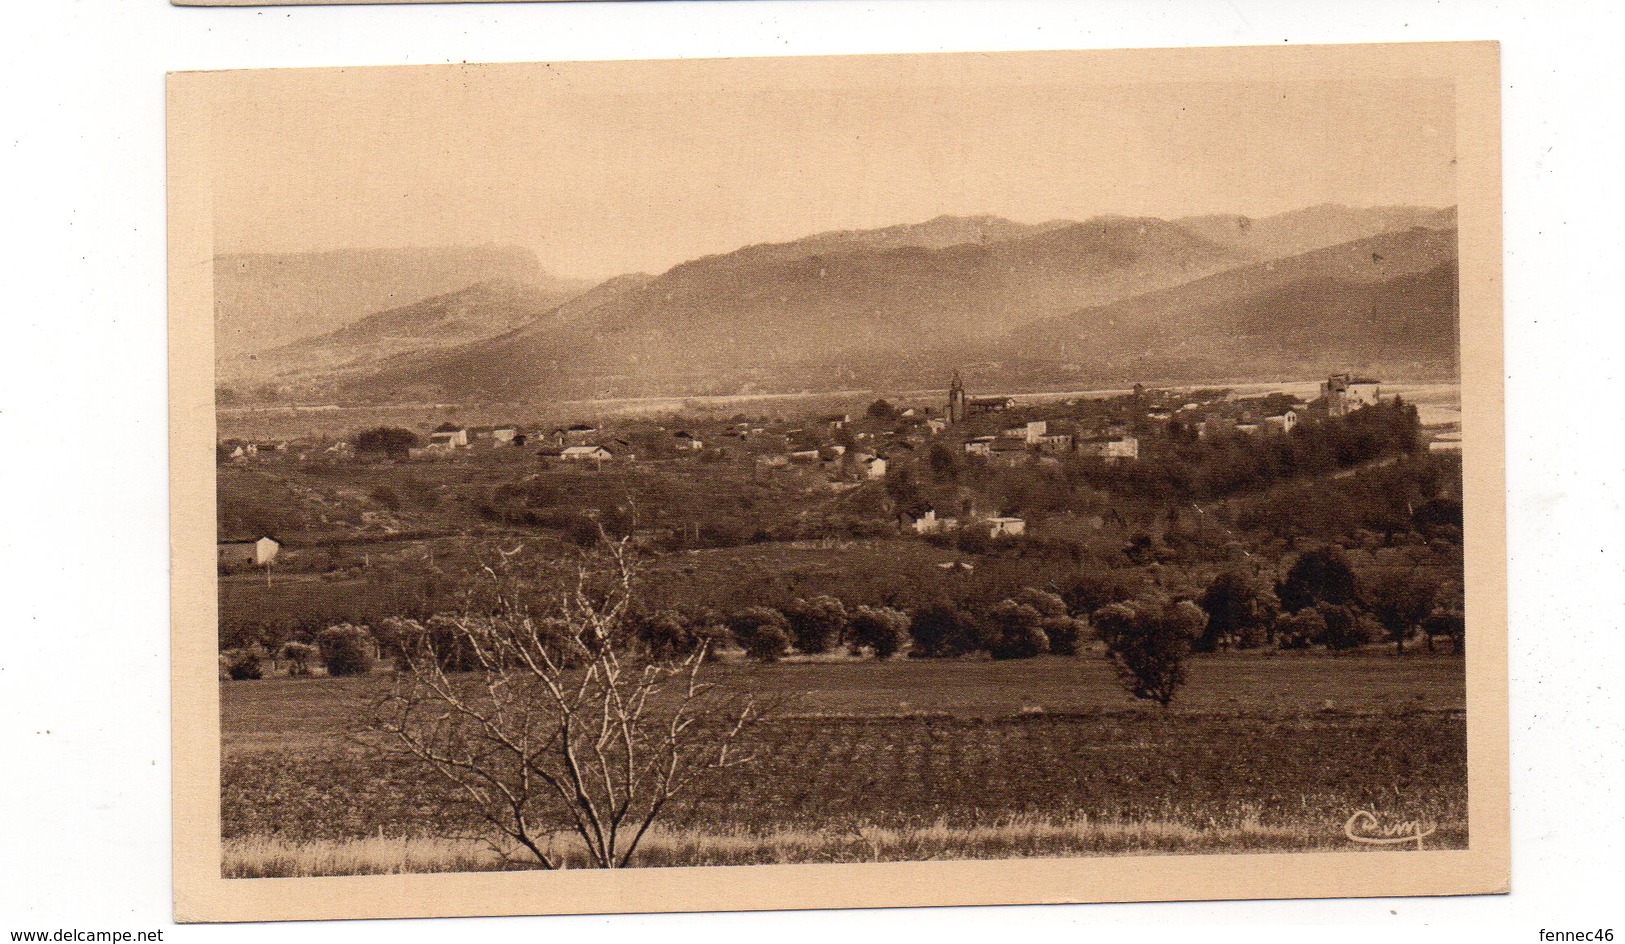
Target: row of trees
(344,649)
(1322,601)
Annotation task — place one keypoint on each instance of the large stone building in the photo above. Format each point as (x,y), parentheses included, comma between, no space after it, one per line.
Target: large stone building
(1345,393)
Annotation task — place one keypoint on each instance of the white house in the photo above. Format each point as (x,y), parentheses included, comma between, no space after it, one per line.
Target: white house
(979,446)
(873,467)
(1280,423)
(446,436)
(1005,527)
(585,454)
(687,441)
(256,551)
(503,435)
(929,523)
(1345,393)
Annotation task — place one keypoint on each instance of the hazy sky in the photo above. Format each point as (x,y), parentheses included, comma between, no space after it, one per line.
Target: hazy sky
(610,168)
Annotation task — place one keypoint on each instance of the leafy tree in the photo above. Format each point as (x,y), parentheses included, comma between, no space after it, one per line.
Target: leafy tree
(942,629)
(1400,602)
(1237,609)
(1450,624)
(389,441)
(301,657)
(1300,630)
(880,629)
(1064,633)
(346,649)
(761,631)
(246,664)
(945,462)
(665,635)
(881,410)
(816,625)
(1344,628)
(1012,630)
(1149,643)
(1322,575)
(1047,604)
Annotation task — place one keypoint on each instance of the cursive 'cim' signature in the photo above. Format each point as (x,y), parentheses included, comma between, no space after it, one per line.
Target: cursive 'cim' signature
(1365,827)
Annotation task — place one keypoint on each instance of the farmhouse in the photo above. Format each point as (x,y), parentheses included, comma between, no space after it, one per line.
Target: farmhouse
(1008,452)
(872,467)
(256,552)
(585,454)
(1281,423)
(1113,449)
(448,436)
(687,441)
(979,446)
(1345,393)
(1005,527)
(504,435)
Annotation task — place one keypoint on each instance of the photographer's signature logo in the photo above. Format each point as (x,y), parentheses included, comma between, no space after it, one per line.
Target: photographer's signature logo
(1367,828)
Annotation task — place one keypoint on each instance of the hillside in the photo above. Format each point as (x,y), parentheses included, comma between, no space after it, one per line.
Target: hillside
(480,311)
(787,316)
(266,300)
(1387,304)
(1318,227)
(937,233)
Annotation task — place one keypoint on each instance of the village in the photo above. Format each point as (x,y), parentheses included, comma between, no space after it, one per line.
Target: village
(896,441)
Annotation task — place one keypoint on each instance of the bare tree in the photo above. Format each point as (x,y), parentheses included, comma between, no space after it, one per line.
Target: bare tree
(564,725)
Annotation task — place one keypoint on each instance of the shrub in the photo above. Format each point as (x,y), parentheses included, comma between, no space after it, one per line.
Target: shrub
(243,664)
(816,624)
(761,631)
(1047,604)
(1449,624)
(665,635)
(880,629)
(301,657)
(1013,630)
(942,630)
(1065,633)
(1344,629)
(346,649)
(1300,630)
(389,441)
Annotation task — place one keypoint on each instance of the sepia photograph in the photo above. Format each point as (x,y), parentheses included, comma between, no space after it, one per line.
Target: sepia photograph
(987,477)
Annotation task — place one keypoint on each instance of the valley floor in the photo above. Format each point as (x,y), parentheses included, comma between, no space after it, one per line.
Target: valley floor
(922,759)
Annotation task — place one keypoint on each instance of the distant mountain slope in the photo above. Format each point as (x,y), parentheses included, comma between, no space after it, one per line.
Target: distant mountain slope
(938,233)
(480,311)
(1388,302)
(265,300)
(765,309)
(1317,227)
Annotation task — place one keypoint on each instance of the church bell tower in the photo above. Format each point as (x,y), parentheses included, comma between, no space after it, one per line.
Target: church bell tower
(956,401)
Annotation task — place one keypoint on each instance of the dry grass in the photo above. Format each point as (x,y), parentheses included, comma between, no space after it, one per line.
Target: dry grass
(1017,837)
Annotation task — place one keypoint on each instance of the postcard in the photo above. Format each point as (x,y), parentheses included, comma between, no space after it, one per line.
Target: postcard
(855,481)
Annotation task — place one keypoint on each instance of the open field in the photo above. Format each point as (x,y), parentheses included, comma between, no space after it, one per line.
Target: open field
(922,758)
